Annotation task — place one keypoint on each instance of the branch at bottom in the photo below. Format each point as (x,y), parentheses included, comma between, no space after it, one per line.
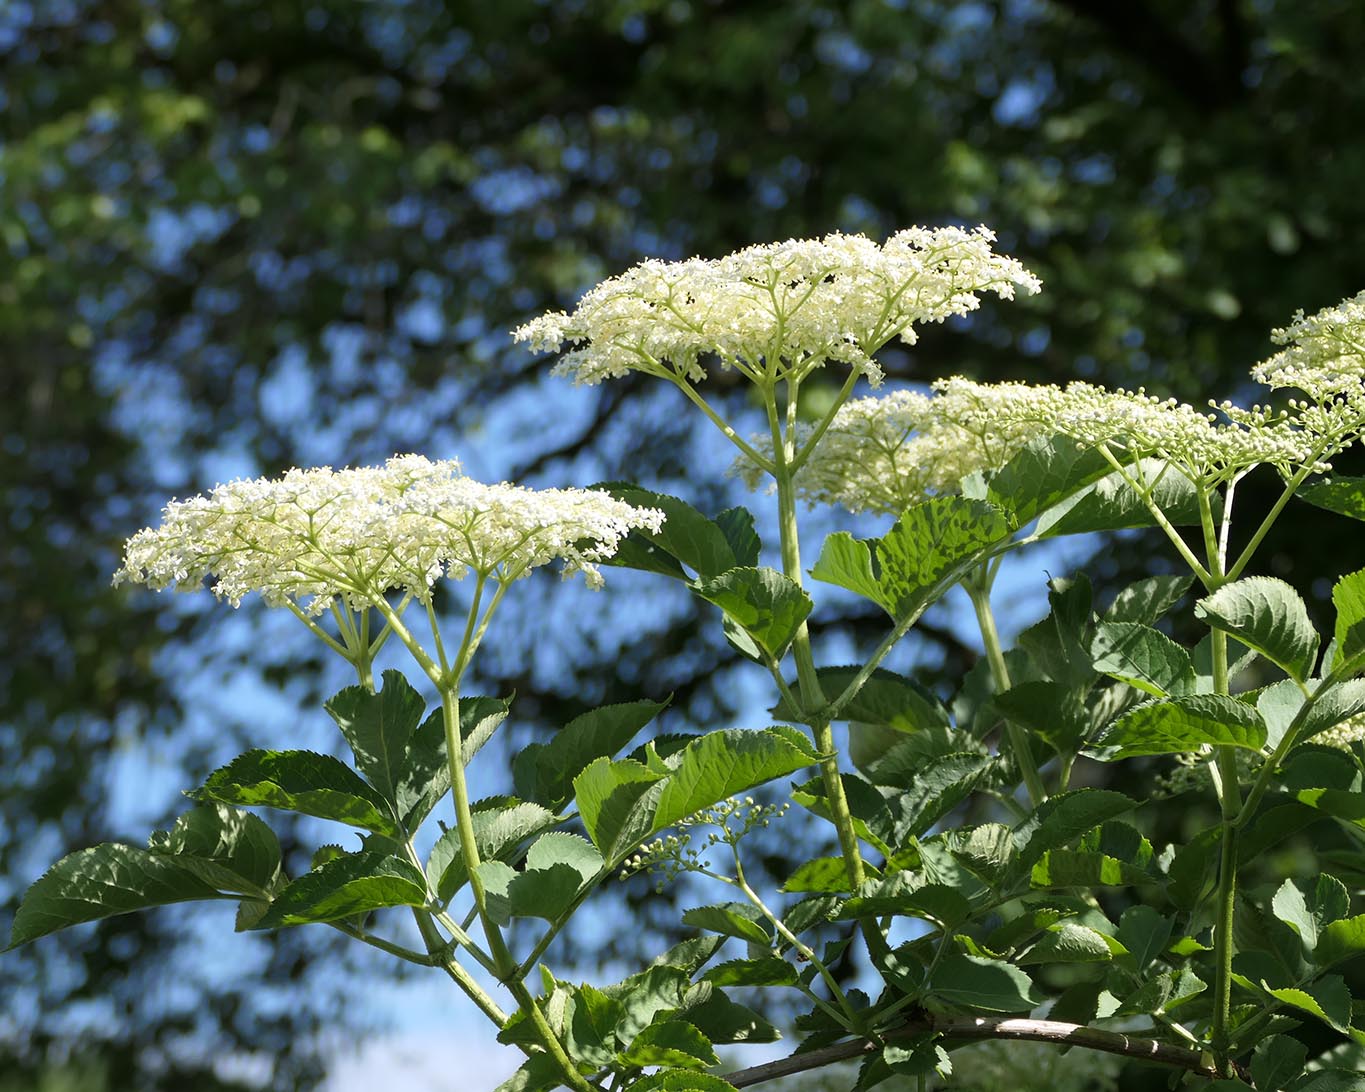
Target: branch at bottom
(969,1030)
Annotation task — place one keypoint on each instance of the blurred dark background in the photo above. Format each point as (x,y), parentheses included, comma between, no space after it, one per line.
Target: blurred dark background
(243,235)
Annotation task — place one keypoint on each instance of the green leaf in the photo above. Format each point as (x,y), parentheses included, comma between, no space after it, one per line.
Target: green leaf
(885,699)
(764,603)
(673,1080)
(231,850)
(1327,999)
(1277,1061)
(846,562)
(1067,942)
(942,782)
(731,919)
(616,803)
(1065,868)
(1348,596)
(1267,615)
(720,764)
(930,547)
(1062,819)
(1042,473)
(724,1021)
(100,882)
(354,884)
(1110,504)
(1338,940)
(687,536)
(1145,933)
(500,828)
(591,1038)
(544,772)
(737,525)
(972,982)
(1059,645)
(1333,705)
(1162,992)
(903,896)
(1142,657)
(1052,711)
(559,865)
(1183,725)
(644,996)
(301,781)
(426,773)
(810,912)
(378,727)
(828,874)
(765,971)
(1340,494)
(1147,601)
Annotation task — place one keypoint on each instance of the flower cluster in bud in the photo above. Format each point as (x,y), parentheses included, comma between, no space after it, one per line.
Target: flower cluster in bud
(1350,731)
(776,310)
(312,536)
(1324,354)
(671,856)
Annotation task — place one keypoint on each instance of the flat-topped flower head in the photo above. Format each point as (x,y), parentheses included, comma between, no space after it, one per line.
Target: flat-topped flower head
(777,310)
(313,536)
(1324,354)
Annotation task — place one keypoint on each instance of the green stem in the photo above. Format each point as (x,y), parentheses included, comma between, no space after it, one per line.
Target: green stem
(854,1023)
(1290,488)
(979,591)
(811,695)
(502,957)
(1144,494)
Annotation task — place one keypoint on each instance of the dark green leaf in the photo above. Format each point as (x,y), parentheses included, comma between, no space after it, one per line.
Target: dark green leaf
(1064,818)
(1067,942)
(885,699)
(1148,600)
(1340,494)
(301,781)
(1062,868)
(1342,939)
(731,919)
(231,850)
(1144,932)
(826,874)
(931,547)
(592,1028)
(1183,725)
(687,535)
(680,1080)
(765,971)
(354,884)
(1277,1061)
(1268,615)
(100,882)
(737,525)
(1142,657)
(544,772)
(1112,505)
(764,603)
(724,1021)
(1042,473)
(1327,999)
(1348,596)
(499,829)
(985,984)
(1052,711)
(1162,992)
(905,896)
(426,773)
(378,726)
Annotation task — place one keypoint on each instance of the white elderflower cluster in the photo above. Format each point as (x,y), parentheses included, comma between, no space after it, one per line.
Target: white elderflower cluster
(1324,355)
(312,536)
(778,309)
(884,454)
(1343,735)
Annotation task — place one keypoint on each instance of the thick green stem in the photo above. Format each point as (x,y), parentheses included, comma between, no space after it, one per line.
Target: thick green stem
(808,682)
(502,957)
(980,594)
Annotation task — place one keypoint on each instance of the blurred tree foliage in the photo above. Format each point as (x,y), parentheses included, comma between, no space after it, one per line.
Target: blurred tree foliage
(251,233)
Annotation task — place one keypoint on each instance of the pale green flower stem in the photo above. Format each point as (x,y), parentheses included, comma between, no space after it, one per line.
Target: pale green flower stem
(446,677)
(978,588)
(808,682)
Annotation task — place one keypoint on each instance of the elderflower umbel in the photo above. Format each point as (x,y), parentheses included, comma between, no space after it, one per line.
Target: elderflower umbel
(315,535)
(777,310)
(1324,355)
